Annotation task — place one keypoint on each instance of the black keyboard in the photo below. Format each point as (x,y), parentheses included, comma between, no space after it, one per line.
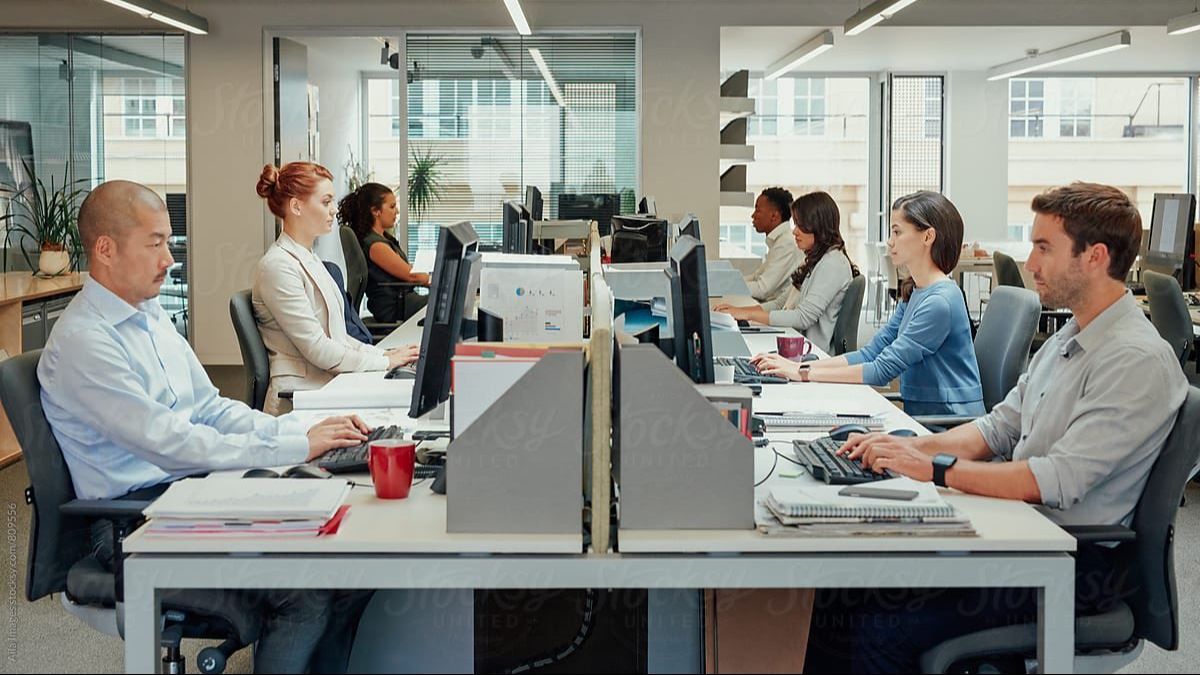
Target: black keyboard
(400,373)
(820,458)
(354,458)
(744,372)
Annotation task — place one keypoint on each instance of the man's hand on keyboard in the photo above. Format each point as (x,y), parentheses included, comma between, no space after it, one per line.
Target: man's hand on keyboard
(342,431)
(880,452)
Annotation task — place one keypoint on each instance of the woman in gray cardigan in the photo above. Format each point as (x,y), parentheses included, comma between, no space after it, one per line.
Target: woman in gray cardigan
(814,301)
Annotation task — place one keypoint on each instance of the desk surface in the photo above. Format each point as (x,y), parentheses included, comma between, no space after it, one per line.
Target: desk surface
(21,286)
(416,525)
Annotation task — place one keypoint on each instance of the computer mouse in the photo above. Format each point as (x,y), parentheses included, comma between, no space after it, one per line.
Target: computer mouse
(400,373)
(809,357)
(260,473)
(904,433)
(306,471)
(843,432)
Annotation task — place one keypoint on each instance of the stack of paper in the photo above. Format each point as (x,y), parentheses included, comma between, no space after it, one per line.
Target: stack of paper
(248,507)
(818,510)
(357,391)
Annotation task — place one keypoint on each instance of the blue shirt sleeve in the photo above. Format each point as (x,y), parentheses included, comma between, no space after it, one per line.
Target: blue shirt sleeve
(882,339)
(107,396)
(925,332)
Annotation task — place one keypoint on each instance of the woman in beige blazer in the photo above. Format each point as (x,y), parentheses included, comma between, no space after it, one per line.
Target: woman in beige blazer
(296,303)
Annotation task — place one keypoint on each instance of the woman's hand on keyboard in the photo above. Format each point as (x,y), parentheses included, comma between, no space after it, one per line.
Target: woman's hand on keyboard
(342,431)
(402,356)
(774,364)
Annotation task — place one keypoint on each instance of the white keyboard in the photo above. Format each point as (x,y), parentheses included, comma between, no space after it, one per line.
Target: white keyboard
(820,421)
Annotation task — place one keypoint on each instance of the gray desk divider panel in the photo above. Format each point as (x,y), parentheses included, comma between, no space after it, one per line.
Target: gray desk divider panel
(681,464)
(518,468)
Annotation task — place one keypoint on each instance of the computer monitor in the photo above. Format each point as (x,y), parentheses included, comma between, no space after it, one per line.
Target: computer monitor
(517,232)
(638,239)
(689,310)
(689,226)
(533,202)
(647,206)
(1172,244)
(598,207)
(449,291)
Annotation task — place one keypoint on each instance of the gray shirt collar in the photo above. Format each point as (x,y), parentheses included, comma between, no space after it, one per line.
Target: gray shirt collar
(1097,332)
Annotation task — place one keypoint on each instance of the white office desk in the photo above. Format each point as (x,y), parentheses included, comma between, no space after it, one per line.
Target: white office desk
(403,545)
(409,333)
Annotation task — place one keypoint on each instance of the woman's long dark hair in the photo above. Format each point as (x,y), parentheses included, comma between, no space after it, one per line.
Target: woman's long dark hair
(817,214)
(356,210)
(924,210)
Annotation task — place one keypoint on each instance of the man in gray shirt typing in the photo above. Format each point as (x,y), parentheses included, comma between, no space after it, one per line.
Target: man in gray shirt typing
(1079,433)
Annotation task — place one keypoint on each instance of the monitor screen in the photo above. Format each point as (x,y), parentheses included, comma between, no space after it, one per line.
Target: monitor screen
(1172,237)
(598,207)
(517,231)
(449,294)
(533,202)
(638,239)
(689,310)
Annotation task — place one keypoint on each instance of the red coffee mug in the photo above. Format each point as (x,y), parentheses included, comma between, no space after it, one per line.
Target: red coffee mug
(391,464)
(793,347)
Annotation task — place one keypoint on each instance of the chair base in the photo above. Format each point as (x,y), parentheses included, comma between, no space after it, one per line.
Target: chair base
(102,619)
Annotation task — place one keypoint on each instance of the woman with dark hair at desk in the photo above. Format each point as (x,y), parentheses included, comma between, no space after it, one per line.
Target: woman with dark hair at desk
(927,343)
(814,300)
(371,211)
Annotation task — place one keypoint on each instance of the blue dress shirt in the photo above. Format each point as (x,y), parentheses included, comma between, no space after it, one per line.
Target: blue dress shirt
(132,407)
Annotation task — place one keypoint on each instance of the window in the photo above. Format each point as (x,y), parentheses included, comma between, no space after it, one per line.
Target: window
(1027,102)
(809,112)
(765,120)
(140,107)
(178,121)
(915,135)
(1075,107)
(1122,131)
(481,107)
(829,153)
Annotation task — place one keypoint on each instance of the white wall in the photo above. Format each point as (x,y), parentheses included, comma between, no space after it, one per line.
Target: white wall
(680,64)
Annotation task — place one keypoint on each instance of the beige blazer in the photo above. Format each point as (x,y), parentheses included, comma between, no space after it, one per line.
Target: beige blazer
(300,315)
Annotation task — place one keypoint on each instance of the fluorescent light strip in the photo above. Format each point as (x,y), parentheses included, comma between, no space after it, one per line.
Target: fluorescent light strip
(1055,57)
(518,16)
(874,13)
(1188,23)
(165,13)
(805,52)
(541,64)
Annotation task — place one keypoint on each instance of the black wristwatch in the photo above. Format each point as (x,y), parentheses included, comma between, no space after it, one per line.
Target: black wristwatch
(941,464)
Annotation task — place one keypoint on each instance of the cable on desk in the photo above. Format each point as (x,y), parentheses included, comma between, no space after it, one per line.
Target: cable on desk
(777,456)
(561,653)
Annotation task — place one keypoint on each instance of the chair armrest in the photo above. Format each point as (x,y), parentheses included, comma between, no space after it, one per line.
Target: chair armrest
(1100,534)
(107,509)
(944,421)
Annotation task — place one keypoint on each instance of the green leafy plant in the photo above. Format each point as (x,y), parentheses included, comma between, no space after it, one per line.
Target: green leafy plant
(47,216)
(424,182)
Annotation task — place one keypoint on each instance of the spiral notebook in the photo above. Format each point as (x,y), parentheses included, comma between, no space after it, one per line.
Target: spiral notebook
(822,503)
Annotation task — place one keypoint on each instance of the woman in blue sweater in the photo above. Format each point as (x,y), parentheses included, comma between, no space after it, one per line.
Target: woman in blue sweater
(927,343)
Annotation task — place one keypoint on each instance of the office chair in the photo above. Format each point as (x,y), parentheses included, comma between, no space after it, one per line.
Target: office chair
(60,555)
(1008,273)
(356,285)
(254,352)
(845,330)
(1169,313)
(1111,640)
(1001,348)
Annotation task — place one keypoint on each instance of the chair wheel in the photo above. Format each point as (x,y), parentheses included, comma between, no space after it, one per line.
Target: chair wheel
(210,660)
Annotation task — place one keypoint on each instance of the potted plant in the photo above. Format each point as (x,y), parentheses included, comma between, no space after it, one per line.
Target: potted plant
(47,217)
(424,183)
